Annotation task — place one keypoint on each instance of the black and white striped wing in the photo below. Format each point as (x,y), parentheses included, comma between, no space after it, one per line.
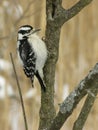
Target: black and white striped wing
(30,65)
(29,59)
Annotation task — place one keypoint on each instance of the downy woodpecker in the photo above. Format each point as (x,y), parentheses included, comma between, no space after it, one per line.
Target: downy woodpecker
(32,53)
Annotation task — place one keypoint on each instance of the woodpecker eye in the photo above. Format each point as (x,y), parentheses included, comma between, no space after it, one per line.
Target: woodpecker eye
(28,31)
(22,31)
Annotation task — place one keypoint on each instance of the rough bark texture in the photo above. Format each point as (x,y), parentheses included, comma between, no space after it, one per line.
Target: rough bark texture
(90,82)
(47,111)
(79,123)
(56,16)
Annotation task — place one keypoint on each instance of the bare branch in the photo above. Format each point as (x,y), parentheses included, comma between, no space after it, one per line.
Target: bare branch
(79,123)
(62,15)
(19,89)
(76,8)
(56,16)
(70,103)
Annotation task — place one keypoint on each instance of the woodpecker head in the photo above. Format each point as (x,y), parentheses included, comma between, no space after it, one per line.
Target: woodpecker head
(26,31)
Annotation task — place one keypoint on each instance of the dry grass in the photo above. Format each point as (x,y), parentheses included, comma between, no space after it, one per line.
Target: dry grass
(78,54)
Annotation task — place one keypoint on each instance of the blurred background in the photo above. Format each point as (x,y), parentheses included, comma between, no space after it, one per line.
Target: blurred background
(78,53)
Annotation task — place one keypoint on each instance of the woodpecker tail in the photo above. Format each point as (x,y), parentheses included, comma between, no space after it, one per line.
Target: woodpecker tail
(32,81)
(41,81)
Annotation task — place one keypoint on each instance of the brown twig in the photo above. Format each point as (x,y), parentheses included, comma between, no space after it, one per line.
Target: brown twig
(19,89)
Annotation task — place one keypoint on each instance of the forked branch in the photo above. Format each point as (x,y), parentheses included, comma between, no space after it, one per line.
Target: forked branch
(79,123)
(90,82)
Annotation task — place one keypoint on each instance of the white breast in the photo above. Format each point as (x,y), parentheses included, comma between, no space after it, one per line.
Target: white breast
(39,48)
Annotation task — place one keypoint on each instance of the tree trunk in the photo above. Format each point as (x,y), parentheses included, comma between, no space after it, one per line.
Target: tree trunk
(55,18)
(47,110)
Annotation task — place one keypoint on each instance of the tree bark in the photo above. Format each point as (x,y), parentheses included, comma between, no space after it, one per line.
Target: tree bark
(47,110)
(90,82)
(79,123)
(56,16)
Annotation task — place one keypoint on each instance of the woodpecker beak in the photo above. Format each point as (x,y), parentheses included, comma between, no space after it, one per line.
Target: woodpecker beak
(36,30)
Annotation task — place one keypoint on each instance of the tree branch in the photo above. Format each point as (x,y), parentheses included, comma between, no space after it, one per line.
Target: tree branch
(76,8)
(62,15)
(56,15)
(70,103)
(79,123)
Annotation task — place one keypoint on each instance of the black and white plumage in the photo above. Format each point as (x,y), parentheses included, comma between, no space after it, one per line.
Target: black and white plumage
(32,53)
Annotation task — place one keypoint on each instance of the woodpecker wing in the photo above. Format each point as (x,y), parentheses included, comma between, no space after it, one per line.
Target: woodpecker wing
(29,59)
